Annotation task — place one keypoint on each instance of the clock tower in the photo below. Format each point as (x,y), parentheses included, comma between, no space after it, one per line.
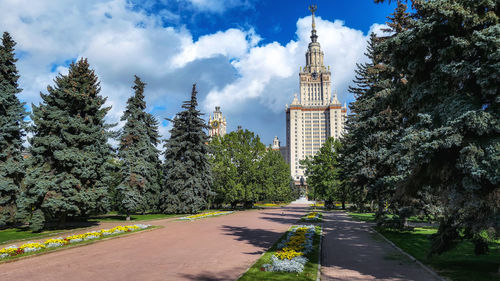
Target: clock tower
(315,78)
(217,124)
(315,116)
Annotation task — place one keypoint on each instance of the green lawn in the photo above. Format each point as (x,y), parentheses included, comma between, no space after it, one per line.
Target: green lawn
(309,273)
(23,234)
(114,216)
(85,242)
(459,264)
(370,217)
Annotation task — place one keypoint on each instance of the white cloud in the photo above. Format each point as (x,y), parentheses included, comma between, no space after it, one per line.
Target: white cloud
(231,43)
(251,82)
(264,66)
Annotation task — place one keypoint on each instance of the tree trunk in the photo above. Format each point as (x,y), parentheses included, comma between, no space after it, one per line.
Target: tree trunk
(128,217)
(62,221)
(343,204)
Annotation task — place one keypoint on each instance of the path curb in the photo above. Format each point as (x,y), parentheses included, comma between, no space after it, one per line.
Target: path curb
(318,275)
(428,269)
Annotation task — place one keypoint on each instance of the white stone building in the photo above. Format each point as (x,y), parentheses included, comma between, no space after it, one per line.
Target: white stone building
(316,116)
(217,124)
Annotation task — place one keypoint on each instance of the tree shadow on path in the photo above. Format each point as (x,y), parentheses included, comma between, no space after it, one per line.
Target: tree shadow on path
(258,237)
(351,251)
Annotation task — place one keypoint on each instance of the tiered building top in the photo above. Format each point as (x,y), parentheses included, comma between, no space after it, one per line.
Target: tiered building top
(316,116)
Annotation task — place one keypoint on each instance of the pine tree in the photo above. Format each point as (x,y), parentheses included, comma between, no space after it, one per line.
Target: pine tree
(140,186)
(12,127)
(450,102)
(68,174)
(187,172)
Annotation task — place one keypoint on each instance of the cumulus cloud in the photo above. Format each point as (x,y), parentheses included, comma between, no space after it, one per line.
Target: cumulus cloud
(263,67)
(251,81)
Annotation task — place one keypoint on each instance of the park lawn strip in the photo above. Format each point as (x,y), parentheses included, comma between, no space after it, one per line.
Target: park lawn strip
(20,234)
(114,216)
(458,264)
(370,217)
(73,245)
(310,269)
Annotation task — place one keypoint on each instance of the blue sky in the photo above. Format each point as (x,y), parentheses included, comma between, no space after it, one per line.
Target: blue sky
(243,54)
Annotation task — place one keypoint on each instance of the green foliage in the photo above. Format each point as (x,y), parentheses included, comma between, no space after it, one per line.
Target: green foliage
(12,128)
(244,172)
(323,173)
(140,168)
(460,263)
(68,173)
(427,128)
(188,178)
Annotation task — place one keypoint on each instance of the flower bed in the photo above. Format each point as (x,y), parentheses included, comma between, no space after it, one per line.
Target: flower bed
(312,217)
(205,215)
(291,251)
(29,247)
(268,204)
(317,205)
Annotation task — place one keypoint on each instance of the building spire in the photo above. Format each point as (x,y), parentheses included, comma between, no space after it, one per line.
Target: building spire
(314,37)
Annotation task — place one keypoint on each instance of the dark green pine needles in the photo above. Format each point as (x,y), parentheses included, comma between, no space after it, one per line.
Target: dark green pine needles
(68,168)
(12,114)
(187,172)
(141,167)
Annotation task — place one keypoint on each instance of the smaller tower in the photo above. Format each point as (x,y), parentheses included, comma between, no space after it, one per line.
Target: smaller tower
(217,124)
(276,143)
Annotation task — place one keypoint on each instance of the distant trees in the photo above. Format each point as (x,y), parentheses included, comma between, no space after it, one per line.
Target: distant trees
(245,172)
(323,174)
(69,151)
(140,169)
(425,136)
(12,127)
(187,172)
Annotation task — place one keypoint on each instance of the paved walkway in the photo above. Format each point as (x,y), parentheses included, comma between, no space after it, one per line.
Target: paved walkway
(218,248)
(351,252)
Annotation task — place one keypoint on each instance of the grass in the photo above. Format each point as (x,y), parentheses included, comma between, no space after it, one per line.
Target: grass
(77,244)
(114,216)
(370,217)
(11,234)
(459,264)
(310,269)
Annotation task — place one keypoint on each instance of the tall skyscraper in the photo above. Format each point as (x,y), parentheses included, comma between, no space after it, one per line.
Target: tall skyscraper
(217,124)
(315,117)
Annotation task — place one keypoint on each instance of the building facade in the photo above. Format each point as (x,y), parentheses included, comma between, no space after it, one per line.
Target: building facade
(217,124)
(314,117)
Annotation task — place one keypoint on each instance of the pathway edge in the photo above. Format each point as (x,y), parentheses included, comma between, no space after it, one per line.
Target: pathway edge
(428,269)
(318,275)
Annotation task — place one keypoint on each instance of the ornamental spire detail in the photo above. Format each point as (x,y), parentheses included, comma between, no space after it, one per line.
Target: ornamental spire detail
(314,37)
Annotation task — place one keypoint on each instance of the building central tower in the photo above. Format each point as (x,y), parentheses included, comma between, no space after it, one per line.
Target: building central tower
(315,117)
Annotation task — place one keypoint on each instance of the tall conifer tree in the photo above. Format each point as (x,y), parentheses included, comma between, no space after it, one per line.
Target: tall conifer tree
(450,102)
(12,126)
(139,190)
(68,168)
(187,171)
